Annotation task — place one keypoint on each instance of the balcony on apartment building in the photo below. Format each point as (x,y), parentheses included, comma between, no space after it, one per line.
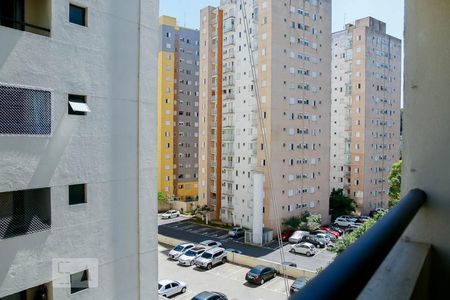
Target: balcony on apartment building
(24,212)
(406,255)
(26,15)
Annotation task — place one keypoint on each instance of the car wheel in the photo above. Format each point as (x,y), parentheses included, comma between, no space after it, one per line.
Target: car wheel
(183,290)
(224,260)
(262,281)
(308,253)
(209,266)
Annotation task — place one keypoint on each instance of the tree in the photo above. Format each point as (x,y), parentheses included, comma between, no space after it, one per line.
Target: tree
(395,180)
(293,222)
(161,198)
(341,204)
(349,238)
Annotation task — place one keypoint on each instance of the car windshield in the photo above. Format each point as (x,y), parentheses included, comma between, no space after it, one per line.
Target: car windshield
(190,253)
(206,255)
(178,248)
(256,270)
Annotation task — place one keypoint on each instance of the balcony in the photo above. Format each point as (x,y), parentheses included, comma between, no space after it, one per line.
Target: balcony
(26,15)
(24,212)
(228,176)
(377,259)
(406,255)
(228,137)
(228,96)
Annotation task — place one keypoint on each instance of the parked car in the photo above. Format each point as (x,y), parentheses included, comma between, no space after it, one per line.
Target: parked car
(236,232)
(260,274)
(307,249)
(297,236)
(179,250)
(332,230)
(343,222)
(298,284)
(286,234)
(188,258)
(211,257)
(170,214)
(338,229)
(313,240)
(289,264)
(231,250)
(168,288)
(211,244)
(210,296)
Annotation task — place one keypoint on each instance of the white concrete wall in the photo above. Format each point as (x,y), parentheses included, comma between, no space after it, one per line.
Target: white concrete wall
(111,149)
(426,131)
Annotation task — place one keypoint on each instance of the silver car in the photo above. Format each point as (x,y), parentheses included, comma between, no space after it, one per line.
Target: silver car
(211,257)
(188,258)
(176,252)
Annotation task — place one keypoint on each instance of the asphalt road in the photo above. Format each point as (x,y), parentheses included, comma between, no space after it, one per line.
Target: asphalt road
(181,228)
(227,278)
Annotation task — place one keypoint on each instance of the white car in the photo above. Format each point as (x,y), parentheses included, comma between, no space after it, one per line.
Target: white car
(168,288)
(297,236)
(188,258)
(344,222)
(303,248)
(170,214)
(179,250)
(211,244)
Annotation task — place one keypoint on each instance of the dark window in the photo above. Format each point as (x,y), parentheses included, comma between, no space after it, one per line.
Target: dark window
(77,105)
(25,111)
(25,16)
(77,15)
(77,194)
(79,281)
(24,212)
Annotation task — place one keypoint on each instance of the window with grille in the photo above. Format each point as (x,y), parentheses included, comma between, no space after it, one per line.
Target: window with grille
(25,111)
(24,212)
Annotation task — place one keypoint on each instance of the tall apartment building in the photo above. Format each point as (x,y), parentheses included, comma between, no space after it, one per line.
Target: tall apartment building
(289,46)
(178,90)
(77,182)
(365,118)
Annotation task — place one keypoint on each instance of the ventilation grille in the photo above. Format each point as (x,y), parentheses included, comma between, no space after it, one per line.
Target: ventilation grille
(25,111)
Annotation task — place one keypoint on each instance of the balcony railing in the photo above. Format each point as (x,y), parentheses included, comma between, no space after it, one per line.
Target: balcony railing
(347,276)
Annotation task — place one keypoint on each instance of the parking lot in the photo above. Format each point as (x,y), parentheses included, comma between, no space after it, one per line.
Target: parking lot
(182,229)
(227,278)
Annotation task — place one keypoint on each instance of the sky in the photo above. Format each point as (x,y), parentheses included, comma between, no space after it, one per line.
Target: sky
(187,12)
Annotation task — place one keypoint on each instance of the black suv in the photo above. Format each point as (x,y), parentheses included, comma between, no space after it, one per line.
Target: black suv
(313,240)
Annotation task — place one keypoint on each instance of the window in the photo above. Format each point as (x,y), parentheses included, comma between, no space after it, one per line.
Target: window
(77,105)
(25,111)
(77,15)
(77,194)
(79,281)
(26,15)
(24,212)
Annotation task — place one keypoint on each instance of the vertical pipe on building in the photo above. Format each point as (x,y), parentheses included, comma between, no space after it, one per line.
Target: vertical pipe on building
(258,202)
(219,113)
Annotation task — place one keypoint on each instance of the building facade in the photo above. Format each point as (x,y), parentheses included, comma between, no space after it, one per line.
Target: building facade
(365,118)
(265,105)
(77,182)
(178,91)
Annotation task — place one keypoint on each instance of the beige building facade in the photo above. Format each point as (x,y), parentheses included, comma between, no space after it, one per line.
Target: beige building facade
(265,105)
(365,111)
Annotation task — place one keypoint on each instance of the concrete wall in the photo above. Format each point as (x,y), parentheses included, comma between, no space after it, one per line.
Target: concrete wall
(426,131)
(110,148)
